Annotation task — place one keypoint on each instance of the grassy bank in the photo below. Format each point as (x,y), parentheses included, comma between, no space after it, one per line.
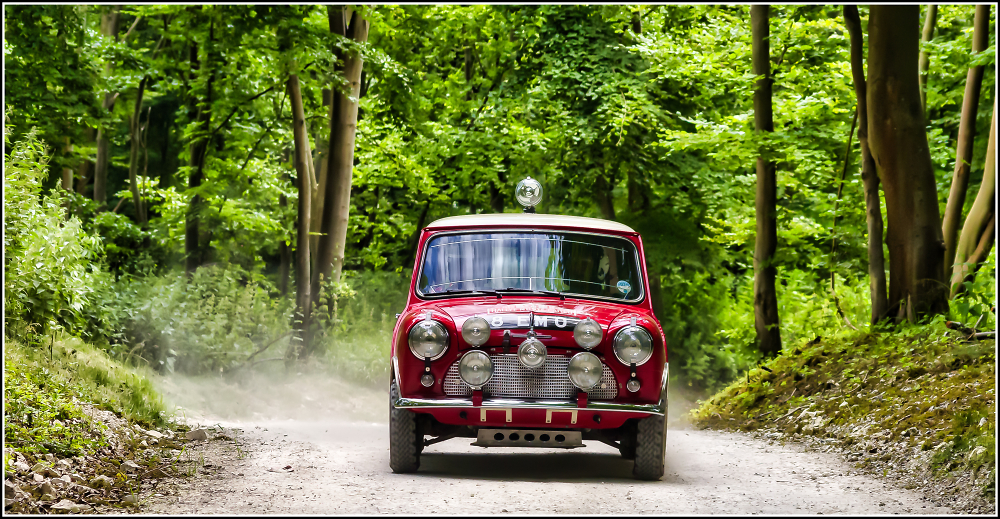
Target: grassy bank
(81,430)
(919,402)
(44,388)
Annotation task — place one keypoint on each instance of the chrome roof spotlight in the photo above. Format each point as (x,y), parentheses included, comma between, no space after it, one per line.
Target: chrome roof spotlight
(528,194)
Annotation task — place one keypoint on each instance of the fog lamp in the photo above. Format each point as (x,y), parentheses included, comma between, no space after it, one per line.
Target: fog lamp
(476,331)
(587,333)
(633,345)
(532,353)
(585,370)
(632,385)
(427,380)
(475,368)
(428,339)
(528,193)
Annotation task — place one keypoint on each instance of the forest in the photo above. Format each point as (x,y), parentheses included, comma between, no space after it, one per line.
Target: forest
(211,188)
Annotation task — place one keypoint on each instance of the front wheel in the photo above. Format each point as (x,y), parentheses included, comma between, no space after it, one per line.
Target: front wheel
(650,447)
(405,442)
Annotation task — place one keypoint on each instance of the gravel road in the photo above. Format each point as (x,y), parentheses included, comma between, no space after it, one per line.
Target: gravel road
(338,451)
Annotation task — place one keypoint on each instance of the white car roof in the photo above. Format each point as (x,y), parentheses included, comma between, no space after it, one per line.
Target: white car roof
(528,219)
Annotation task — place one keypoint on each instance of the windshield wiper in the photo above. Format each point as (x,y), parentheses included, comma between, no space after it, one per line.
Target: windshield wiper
(483,292)
(560,295)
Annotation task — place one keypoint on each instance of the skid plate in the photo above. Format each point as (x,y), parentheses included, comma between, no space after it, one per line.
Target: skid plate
(528,438)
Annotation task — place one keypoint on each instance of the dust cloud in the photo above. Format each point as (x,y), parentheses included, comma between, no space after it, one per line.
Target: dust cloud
(256,397)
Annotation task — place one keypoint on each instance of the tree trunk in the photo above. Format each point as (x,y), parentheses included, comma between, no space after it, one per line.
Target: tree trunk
(285,255)
(898,142)
(193,248)
(604,197)
(978,232)
(109,28)
(468,71)
(966,137)
(133,162)
(765,299)
(869,175)
(638,197)
(302,157)
(343,125)
(83,173)
(925,60)
(67,172)
(321,164)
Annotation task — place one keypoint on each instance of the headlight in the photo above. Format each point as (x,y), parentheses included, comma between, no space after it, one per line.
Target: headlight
(587,333)
(585,370)
(428,338)
(476,331)
(633,344)
(532,353)
(475,368)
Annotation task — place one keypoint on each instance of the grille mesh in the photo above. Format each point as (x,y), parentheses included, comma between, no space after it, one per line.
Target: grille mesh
(511,379)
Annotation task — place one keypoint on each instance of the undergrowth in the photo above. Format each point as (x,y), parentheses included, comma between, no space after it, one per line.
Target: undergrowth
(44,387)
(922,388)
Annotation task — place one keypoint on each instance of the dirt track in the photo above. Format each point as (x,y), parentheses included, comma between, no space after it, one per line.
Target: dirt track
(339,454)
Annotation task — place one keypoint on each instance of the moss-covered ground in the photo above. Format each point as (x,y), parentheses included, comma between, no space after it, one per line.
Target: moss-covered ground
(921,399)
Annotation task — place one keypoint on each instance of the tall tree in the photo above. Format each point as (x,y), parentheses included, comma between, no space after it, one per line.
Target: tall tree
(869,175)
(966,137)
(109,28)
(67,171)
(765,299)
(343,126)
(302,158)
(929,20)
(978,233)
(898,141)
(198,148)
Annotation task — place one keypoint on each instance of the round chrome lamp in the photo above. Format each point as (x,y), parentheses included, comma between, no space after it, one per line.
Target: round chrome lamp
(585,370)
(587,333)
(428,339)
(532,353)
(528,193)
(476,369)
(476,331)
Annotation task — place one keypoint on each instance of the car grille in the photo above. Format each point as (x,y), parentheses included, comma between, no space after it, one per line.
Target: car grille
(512,379)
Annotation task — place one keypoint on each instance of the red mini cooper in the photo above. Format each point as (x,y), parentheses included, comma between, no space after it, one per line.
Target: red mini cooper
(529,330)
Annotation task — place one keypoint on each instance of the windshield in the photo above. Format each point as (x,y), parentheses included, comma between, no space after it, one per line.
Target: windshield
(570,263)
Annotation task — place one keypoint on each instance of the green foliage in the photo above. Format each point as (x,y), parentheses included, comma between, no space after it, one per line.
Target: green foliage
(212,322)
(976,305)
(52,266)
(43,388)
(922,386)
(641,114)
(50,71)
(356,318)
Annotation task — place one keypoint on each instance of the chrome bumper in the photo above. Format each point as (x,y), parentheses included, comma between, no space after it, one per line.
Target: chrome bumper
(659,408)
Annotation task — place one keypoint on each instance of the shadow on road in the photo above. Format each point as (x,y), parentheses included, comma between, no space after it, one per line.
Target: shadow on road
(495,464)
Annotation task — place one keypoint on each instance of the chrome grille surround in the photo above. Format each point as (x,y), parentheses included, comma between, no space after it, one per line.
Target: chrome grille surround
(511,379)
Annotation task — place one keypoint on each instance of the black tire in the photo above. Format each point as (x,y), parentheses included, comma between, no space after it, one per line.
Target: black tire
(405,442)
(651,443)
(626,440)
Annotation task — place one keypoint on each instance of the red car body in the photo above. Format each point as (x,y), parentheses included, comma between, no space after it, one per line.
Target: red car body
(609,412)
